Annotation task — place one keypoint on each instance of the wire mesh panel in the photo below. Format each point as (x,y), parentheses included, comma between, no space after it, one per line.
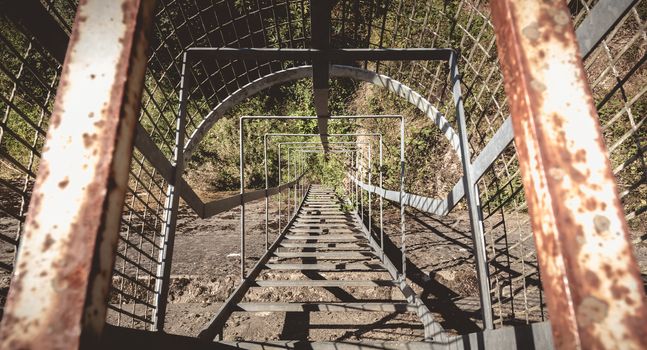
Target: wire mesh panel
(29,77)
(132,299)
(615,69)
(616,72)
(464,26)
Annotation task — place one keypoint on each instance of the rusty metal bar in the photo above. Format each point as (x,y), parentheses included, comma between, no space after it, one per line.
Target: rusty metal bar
(594,291)
(59,299)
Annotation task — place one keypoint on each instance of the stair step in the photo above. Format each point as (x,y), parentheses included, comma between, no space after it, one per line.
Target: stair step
(323,283)
(325,245)
(331,237)
(329,307)
(328,267)
(330,345)
(326,255)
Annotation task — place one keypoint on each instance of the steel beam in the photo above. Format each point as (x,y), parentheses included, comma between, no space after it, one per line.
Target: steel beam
(320,39)
(592,282)
(292,74)
(60,286)
(323,283)
(325,307)
(222,205)
(171,206)
(601,20)
(472,197)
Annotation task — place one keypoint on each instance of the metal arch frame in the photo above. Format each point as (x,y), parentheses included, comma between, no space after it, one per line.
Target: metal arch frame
(402,172)
(432,329)
(338,71)
(421,103)
(322,56)
(313,144)
(306,144)
(270,135)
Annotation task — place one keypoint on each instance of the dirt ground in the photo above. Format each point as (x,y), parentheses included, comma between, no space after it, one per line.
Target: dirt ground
(440,268)
(205,272)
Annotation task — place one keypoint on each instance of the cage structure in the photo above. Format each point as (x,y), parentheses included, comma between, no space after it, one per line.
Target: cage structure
(163,73)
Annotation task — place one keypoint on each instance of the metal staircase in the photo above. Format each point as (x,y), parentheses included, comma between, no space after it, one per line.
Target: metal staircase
(323,237)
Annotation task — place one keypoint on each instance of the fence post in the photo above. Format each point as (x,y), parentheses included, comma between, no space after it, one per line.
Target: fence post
(279,194)
(267,198)
(241,146)
(594,291)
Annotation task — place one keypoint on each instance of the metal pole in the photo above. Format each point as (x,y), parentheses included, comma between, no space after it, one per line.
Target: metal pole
(361,191)
(381,202)
(353,183)
(370,204)
(296,186)
(242,202)
(289,192)
(303,171)
(356,184)
(402,205)
(267,199)
(163,281)
(298,171)
(279,226)
(471,194)
(594,291)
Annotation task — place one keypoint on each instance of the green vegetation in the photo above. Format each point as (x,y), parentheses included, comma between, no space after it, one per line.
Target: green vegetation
(29,78)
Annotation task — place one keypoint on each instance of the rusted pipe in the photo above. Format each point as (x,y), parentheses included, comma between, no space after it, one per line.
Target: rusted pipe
(58,295)
(589,272)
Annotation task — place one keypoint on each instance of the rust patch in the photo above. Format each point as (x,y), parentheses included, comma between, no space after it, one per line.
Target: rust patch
(88,139)
(48,242)
(601,224)
(619,292)
(64,183)
(593,279)
(591,310)
(531,31)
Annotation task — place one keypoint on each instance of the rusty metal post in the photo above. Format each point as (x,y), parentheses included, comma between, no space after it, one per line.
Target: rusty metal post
(171,206)
(592,282)
(59,291)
